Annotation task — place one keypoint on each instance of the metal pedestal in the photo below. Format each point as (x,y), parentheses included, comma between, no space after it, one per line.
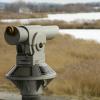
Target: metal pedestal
(31,97)
(30,74)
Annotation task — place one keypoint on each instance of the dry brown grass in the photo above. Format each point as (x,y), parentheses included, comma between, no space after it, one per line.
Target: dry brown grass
(12,15)
(71,25)
(77,63)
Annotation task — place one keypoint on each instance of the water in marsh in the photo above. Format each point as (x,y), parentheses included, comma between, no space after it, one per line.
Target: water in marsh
(80,17)
(86,34)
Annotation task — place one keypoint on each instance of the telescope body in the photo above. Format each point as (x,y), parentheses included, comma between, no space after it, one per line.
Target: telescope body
(15,35)
(30,74)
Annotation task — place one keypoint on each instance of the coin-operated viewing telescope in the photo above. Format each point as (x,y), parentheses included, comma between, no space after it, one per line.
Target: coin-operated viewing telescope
(30,74)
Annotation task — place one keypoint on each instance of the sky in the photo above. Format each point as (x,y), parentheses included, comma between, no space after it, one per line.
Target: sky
(53,1)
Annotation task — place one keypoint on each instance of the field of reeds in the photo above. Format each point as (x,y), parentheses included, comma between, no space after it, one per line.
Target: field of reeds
(77,63)
(14,15)
(70,25)
(95,24)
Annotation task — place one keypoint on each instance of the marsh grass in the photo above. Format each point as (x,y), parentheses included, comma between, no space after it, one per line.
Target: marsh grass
(70,25)
(13,15)
(77,63)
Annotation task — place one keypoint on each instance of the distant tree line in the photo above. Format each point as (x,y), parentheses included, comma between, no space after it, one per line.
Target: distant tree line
(46,7)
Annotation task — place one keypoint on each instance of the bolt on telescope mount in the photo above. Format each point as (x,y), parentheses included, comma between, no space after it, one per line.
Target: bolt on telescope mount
(30,74)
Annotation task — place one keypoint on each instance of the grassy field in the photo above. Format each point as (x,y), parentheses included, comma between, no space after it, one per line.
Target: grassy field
(12,15)
(62,24)
(71,25)
(77,63)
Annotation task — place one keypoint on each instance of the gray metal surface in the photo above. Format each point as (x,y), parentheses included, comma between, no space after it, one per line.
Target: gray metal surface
(30,74)
(12,96)
(20,34)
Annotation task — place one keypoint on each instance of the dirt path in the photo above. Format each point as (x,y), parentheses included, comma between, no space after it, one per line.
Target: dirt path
(9,96)
(13,96)
(16,96)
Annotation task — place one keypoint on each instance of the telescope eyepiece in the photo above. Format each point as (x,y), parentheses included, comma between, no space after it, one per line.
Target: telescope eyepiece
(11,30)
(15,35)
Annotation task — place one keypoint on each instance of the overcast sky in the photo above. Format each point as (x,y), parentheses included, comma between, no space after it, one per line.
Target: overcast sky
(54,1)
